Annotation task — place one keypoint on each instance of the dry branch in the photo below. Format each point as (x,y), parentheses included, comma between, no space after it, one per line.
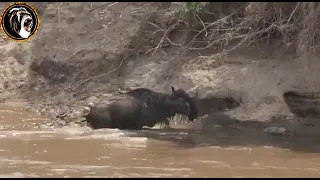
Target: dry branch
(59,21)
(101,75)
(287,22)
(164,36)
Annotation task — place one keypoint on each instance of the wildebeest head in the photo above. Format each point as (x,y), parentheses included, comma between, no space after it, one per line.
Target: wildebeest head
(181,94)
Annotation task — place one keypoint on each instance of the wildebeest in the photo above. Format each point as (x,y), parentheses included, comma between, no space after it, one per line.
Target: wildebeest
(144,94)
(141,107)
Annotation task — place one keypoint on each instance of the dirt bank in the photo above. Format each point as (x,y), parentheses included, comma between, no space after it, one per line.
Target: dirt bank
(84,52)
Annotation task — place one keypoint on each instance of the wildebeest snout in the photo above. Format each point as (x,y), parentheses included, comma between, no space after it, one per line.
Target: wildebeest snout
(180,106)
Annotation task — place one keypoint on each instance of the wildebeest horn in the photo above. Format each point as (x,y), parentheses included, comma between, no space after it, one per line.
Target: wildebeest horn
(173,90)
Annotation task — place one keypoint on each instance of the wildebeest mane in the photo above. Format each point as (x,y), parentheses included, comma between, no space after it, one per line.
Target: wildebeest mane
(152,98)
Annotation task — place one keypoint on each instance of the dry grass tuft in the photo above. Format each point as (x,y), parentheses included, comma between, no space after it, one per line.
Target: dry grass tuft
(225,27)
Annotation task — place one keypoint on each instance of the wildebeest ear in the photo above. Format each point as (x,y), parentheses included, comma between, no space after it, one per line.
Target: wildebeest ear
(173,90)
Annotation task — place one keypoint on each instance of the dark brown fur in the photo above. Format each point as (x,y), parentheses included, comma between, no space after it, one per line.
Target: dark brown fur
(144,94)
(193,114)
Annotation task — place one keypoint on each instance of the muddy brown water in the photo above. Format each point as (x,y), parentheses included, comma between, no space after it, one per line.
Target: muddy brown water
(29,149)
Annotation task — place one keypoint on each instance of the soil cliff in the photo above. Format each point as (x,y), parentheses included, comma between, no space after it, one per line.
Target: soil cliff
(84,52)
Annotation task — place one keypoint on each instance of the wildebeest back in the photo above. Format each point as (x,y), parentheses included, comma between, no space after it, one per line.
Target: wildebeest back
(123,114)
(126,113)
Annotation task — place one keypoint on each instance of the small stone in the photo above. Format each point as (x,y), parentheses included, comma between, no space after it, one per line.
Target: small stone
(107,95)
(275,130)
(92,99)
(85,111)
(217,126)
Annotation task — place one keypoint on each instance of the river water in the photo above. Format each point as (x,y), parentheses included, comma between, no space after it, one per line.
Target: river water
(31,150)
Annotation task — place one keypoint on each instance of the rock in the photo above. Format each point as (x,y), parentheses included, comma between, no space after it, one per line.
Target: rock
(217,126)
(92,99)
(275,130)
(107,95)
(85,111)
(50,69)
